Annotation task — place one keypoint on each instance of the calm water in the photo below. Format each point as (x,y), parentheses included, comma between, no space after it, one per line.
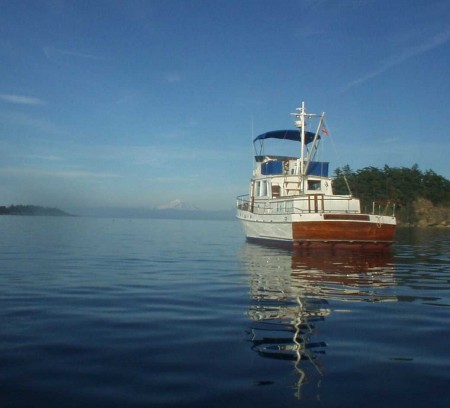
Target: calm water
(148,313)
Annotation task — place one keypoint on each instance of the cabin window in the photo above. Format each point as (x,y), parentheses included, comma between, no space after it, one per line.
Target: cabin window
(289,206)
(313,184)
(275,191)
(261,188)
(264,188)
(281,207)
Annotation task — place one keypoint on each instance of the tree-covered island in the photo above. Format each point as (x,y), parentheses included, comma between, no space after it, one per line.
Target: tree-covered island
(32,210)
(421,198)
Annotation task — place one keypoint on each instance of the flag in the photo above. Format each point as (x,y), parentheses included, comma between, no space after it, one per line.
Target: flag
(324,131)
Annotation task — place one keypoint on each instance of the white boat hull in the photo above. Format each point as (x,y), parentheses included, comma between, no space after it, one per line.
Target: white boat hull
(320,229)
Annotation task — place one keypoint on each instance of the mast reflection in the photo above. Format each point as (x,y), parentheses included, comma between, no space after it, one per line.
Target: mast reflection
(293,292)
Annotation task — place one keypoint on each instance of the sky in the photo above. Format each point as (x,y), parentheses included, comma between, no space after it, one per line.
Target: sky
(136,103)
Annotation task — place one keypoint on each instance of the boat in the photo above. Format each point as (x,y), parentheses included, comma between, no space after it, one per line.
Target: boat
(291,199)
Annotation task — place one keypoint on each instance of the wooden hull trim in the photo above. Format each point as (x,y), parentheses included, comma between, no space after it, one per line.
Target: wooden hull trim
(324,245)
(342,231)
(344,245)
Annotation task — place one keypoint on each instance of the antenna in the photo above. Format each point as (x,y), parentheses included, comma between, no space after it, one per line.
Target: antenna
(253,128)
(253,136)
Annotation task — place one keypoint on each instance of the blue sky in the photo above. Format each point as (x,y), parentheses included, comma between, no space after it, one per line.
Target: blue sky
(109,103)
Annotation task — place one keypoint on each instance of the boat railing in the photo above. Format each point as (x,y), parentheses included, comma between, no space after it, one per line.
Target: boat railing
(243,202)
(305,205)
(383,207)
(298,205)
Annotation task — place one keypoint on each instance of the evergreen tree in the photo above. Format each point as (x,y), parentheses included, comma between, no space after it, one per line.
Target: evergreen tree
(402,186)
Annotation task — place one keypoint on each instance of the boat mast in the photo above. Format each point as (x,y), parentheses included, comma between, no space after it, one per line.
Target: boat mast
(302,139)
(300,124)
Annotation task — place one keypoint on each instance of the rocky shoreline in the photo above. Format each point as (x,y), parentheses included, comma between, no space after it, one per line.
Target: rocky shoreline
(429,215)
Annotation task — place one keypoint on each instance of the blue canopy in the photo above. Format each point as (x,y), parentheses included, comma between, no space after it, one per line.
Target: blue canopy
(286,134)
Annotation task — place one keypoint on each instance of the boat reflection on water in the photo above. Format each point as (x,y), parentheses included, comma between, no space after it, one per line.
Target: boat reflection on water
(293,292)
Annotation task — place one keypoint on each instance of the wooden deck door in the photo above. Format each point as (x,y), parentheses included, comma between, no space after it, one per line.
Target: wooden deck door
(316,203)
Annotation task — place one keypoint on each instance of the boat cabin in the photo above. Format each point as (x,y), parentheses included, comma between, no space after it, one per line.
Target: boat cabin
(279,176)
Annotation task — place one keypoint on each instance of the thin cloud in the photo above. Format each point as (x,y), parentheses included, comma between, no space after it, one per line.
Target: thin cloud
(59,174)
(125,99)
(415,51)
(173,77)
(392,140)
(56,54)
(38,124)
(174,179)
(154,155)
(50,158)
(21,99)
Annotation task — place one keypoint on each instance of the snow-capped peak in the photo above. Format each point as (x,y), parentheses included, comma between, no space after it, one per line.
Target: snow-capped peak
(176,204)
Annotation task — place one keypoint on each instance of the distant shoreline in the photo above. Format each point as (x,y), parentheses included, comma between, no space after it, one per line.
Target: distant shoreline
(176,214)
(34,210)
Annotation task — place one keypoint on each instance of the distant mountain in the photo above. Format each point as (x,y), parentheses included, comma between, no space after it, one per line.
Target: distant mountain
(32,210)
(177,204)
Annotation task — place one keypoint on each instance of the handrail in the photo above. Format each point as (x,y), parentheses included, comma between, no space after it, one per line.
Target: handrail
(383,207)
(244,203)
